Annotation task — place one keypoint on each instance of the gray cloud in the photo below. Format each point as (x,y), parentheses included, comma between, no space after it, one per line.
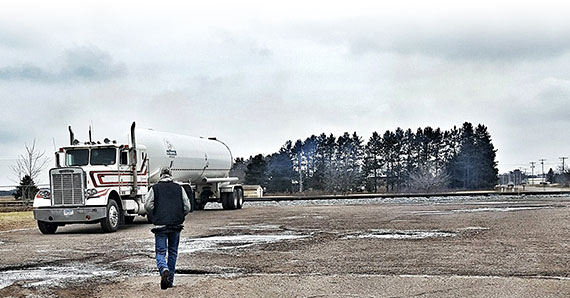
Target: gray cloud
(485,46)
(505,41)
(83,63)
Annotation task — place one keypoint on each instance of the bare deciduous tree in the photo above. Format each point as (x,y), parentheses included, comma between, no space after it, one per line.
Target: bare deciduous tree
(30,163)
(426,178)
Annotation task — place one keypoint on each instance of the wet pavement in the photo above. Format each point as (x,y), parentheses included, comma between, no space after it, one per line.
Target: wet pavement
(433,247)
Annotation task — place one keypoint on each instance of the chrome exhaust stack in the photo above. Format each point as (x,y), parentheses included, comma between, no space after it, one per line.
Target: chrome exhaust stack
(133,153)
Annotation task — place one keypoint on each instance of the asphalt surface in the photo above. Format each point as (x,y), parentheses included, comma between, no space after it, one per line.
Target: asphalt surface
(488,246)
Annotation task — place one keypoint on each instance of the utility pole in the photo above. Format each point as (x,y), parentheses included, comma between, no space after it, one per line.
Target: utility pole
(563,168)
(532,169)
(542,160)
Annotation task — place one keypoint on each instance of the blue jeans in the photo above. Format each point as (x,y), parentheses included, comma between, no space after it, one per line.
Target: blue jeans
(164,241)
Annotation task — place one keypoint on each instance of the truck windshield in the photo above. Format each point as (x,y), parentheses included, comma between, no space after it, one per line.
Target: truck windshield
(103,156)
(77,157)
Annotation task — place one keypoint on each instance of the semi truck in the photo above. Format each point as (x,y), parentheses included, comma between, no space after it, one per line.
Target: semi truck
(106,182)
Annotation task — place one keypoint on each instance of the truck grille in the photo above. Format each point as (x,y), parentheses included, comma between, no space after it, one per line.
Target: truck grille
(67,187)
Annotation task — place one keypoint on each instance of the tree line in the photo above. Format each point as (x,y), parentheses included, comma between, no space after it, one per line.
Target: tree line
(424,160)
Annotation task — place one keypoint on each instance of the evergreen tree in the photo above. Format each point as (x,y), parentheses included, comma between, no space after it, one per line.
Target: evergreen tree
(550,176)
(329,172)
(373,161)
(462,164)
(256,172)
(238,168)
(320,163)
(280,171)
(298,159)
(27,189)
(486,166)
(474,166)
(423,159)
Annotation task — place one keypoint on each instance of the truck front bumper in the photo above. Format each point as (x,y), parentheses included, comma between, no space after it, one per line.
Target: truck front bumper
(70,215)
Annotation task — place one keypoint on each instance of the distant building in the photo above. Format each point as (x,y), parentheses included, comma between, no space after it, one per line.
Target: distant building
(515,177)
(252,191)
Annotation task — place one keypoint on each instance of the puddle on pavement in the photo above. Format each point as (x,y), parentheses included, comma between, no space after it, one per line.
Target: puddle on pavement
(51,276)
(499,209)
(486,209)
(215,270)
(190,245)
(403,234)
(251,227)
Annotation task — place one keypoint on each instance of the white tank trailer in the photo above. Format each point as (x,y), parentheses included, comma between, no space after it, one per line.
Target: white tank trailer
(106,182)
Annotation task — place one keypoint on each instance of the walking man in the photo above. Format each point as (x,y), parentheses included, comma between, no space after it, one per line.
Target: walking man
(167,204)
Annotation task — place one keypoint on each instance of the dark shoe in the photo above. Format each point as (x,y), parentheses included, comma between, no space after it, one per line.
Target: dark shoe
(164,279)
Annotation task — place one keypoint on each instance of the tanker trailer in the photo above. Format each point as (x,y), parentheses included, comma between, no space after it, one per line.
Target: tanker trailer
(106,182)
(202,163)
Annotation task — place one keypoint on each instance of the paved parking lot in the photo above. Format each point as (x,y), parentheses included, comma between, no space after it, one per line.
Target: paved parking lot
(436,247)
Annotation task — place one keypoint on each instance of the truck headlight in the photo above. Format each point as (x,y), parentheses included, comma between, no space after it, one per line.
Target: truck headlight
(91,192)
(44,193)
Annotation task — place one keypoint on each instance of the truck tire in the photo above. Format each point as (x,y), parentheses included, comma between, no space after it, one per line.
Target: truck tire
(129,219)
(231,200)
(110,223)
(47,227)
(200,206)
(240,198)
(235,199)
(227,198)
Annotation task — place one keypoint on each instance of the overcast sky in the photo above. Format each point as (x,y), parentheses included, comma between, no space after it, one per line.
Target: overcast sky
(256,74)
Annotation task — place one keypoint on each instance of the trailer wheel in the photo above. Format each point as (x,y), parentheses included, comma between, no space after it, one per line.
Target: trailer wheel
(235,199)
(110,223)
(240,198)
(47,227)
(200,206)
(226,198)
(231,200)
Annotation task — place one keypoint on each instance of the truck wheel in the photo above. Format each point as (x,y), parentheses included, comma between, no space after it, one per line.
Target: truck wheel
(47,227)
(111,222)
(200,206)
(129,219)
(240,198)
(235,199)
(227,200)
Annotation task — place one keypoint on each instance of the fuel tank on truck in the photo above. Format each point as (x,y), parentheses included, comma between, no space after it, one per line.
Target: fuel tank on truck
(191,158)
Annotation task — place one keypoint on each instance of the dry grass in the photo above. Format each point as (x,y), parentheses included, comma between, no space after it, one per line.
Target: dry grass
(16,220)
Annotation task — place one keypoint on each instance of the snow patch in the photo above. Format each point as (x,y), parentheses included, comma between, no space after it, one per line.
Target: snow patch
(252,227)
(52,276)
(403,234)
(230,242)
(498,209)
(486,209)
